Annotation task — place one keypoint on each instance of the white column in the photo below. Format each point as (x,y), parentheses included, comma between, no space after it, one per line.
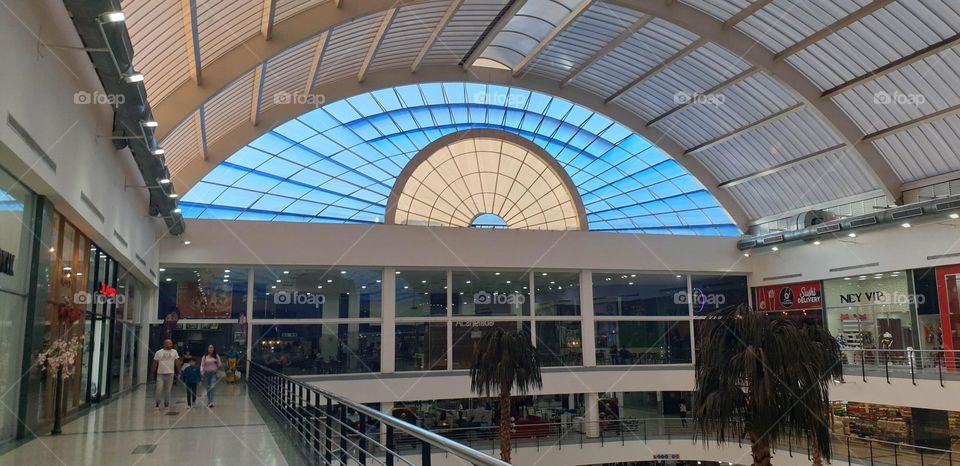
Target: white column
(690,299)
(588,329)
(388,329)
(533,307)
(386,407)
(450,298)
(250,298)
(592,415)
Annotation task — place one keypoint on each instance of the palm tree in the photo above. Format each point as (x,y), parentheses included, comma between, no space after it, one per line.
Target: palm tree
(768,377)
(503,360)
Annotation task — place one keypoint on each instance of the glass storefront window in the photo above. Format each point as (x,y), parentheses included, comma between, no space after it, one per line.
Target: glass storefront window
(467,334)
(559,343)
(421,346)
(628,343)
(318,348)
(712,292)
(203,293)
(871,312)
(421,293)
(16,214)
(282,293)
(558,293)
(637,294)
(485,293)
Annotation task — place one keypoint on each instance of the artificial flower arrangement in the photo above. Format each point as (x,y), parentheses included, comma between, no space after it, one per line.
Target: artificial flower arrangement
(61,356)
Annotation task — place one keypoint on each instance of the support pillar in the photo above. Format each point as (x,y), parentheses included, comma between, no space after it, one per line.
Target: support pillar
(388,328)
(588,330)
(592,415)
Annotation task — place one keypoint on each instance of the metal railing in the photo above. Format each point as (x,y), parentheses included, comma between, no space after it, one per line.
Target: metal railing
(332,429)
(902,363)
(580,434)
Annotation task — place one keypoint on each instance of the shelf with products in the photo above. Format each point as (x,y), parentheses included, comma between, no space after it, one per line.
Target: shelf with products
(889,423)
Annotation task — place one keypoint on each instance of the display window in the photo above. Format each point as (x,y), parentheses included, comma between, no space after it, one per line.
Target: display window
(872,312)
(948,291)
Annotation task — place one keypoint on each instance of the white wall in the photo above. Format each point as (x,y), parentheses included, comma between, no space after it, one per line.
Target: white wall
(39,86)
(256,243)
(891,248)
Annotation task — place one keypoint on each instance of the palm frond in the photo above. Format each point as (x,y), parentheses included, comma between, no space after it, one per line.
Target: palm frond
(502,360)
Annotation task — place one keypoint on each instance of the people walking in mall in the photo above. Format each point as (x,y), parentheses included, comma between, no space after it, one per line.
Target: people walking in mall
(166,364)
(683,414)
(191,379)
(210,369)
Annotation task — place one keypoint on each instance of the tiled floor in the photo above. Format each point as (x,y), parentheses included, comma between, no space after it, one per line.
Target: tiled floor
(233,433)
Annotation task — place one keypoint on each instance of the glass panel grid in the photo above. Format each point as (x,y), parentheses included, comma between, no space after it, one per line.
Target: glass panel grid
(338,163)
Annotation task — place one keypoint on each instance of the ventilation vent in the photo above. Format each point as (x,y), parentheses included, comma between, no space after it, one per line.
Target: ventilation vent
(140,259)
(778,238)
(863,222)
(852,267)
(30,142)
(947,205)
(829,228)
(153,274)
(748,244)
(783,277)
(943,256)
(93,207)
(121,239)
(907,213)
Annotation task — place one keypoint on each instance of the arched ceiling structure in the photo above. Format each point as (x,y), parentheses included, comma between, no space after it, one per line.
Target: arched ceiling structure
(774,105)
(349,160)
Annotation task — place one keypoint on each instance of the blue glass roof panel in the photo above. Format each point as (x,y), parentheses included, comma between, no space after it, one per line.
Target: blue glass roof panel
(355,149)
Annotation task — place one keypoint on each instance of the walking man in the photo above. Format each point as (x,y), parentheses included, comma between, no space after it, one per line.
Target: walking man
(166,364)
(683,414)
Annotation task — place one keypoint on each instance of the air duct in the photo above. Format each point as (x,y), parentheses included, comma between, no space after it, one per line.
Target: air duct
(892,216)
(115,70)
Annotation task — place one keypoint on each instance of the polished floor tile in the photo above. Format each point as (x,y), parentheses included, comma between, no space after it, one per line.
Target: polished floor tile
(232,433)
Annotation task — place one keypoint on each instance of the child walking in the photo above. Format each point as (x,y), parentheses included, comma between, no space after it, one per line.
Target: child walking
(191,378)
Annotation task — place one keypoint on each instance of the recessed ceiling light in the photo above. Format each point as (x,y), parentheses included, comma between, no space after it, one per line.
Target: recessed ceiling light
(173,195)
(186,243)
(164,180)
(816,243)
(679,276)
(852,235)
(329,281)
(169,279)
(133,78)
(905,224)
(774,249)
(544,274)
(149,123)
(112,17)
(278,281)
(158,151)
(177,210)
(343,272)
(954,216)
(846,278)
(226,270)
(286,272)
(746,254)
(163,269)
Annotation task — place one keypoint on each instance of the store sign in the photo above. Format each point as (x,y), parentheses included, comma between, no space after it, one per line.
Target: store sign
(107,290)
(793,297)
(6,262)
(666,456)
(475,323)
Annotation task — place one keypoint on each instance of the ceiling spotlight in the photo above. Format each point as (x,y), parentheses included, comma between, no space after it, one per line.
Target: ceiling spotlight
(163,269)
(852,235)
(226,271)
(158,151)
(846,278)
(133,78)
(169,279)
(164,180)
(746,254)
(954,216)
(679,276)
(905,224)
(177,210)
(112,17)
(148,123)
(186,243)
(816,243)
(286,272)
(774,249)
(173,195)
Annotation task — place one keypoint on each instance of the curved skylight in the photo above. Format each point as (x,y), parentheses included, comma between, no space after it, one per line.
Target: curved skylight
(338,163)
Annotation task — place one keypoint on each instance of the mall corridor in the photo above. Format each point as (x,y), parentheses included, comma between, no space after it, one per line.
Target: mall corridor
(128,431)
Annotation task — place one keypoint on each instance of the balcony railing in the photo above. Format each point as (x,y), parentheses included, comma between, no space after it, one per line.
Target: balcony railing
(916,364)
(332,429)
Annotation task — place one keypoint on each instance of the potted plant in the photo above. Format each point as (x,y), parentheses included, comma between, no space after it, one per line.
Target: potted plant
(60,359)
